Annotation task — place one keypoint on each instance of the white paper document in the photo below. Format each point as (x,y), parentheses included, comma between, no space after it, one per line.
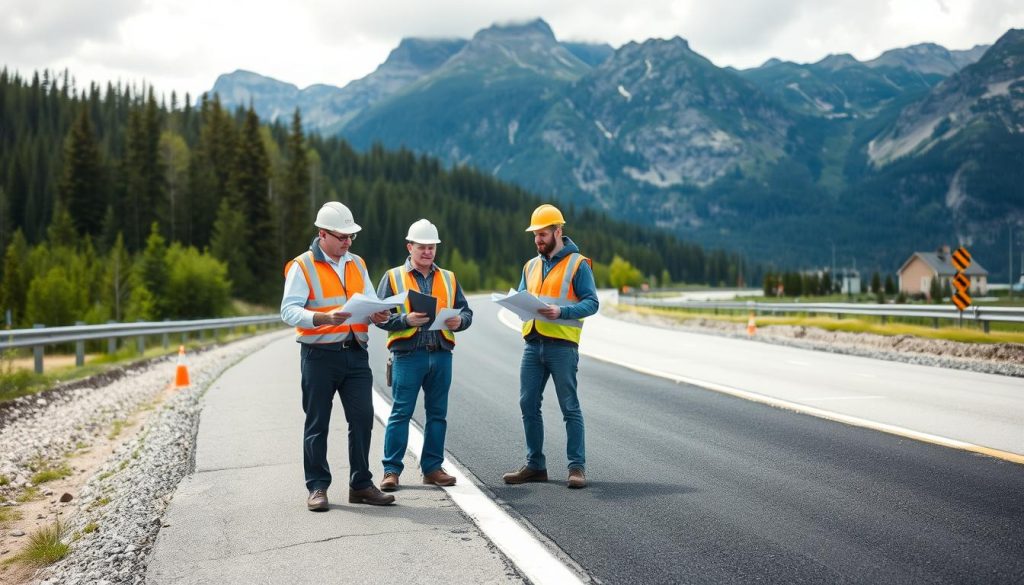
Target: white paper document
(442,316)
(362,306)
(523,304)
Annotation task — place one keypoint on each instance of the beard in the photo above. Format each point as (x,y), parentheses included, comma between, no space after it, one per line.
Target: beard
(545,247)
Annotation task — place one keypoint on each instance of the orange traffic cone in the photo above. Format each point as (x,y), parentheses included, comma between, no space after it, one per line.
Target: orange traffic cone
(181,375)
(751,326)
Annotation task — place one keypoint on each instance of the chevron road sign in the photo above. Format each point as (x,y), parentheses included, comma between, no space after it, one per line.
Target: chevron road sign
(961,259)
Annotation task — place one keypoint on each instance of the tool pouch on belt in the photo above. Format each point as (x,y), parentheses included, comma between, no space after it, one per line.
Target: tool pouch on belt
(388,371)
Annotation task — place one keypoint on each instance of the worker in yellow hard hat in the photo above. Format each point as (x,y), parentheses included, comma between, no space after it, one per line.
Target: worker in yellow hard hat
(564,279)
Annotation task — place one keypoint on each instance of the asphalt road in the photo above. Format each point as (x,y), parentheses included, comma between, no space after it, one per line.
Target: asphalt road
(688,485)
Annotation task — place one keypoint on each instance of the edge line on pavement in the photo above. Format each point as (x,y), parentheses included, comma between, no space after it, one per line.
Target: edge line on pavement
(504,315)
(538,564)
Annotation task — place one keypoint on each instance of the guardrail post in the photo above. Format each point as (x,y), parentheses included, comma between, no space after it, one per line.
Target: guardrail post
(166,338)
(111,343)
(935,323)
(985,325)
(37,351)
(140,343)
(79,349)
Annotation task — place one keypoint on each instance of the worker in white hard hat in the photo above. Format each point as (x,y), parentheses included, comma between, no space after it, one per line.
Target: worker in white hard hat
(334,359)
(564,279)
(421,357)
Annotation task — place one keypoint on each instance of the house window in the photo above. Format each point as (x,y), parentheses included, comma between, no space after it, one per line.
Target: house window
(926,284)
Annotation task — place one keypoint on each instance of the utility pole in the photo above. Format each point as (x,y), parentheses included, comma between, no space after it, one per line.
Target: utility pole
(1009,272)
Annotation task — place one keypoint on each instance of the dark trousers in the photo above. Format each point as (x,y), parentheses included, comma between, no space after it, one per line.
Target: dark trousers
(347,373)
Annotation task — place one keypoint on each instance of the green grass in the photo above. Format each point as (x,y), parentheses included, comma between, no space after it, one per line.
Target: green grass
(27,495)
(4,480)
(116,429)
(850,325)
(45,547)
(45,475)
(90,528)
(9,514)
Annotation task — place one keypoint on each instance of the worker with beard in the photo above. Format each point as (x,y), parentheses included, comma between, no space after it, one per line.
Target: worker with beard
(562,278)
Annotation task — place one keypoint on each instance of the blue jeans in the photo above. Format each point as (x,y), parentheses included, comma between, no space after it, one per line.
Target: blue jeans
(431,370)
(543,359)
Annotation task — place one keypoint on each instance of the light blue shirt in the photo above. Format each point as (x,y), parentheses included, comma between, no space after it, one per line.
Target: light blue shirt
(296,292)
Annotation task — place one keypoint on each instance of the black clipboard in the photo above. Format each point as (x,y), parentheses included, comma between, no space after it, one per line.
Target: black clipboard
(421,303)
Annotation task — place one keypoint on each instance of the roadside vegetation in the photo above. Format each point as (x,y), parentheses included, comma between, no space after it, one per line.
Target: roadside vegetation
(45,547)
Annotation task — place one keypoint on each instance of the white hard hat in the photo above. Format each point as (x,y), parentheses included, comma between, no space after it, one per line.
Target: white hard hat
(336,217)
(423,232)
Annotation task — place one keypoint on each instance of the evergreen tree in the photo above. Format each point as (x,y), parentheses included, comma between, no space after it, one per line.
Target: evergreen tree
(81,186)
(227,246)
(876,283)
(250,180)
(295,212)
(890,285)
(14,286)
(118,281)
(152,274)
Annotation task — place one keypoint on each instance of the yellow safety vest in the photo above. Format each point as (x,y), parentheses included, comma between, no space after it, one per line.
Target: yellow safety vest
(443,288)
(556,289)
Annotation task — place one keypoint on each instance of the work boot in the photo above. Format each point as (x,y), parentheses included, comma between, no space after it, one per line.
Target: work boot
(526,474)
(389,483)
(370,495)
(317,500)
(439,477)
(577,479)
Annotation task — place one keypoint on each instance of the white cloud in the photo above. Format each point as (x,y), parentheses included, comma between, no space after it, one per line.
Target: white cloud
(185,44)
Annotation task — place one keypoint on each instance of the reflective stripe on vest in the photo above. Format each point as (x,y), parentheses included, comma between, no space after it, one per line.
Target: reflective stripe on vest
(556,289)
(444,283)
(327,293)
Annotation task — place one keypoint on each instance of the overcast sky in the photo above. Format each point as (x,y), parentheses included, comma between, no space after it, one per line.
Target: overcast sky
(184,45)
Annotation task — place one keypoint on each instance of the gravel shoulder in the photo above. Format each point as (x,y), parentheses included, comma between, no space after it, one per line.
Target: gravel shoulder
(992,358)
(126,438)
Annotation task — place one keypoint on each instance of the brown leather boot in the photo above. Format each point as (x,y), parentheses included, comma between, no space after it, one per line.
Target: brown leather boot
(370,495)
(577,479)
(526,474)
(317,501)
(389,483)
(439,477)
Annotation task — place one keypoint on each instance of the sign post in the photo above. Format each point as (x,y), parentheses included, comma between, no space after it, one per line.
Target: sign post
(961,260)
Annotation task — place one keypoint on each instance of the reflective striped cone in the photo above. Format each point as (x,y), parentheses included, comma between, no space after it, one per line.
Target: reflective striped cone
(181,375)
(751,326)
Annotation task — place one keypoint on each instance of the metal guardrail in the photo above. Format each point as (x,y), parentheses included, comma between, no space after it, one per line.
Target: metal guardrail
(983,315)
(40,337)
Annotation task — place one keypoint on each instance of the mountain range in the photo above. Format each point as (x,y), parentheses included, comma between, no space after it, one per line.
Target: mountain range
(917,148)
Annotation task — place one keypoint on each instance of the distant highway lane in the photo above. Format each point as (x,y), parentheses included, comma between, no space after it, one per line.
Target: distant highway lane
(689,485)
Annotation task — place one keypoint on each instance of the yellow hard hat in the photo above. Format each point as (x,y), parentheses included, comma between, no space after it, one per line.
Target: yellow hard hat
(544,216)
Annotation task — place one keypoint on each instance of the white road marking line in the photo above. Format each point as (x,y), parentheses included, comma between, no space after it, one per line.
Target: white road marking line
(814,398)
(529,555)
(796,363)
(507,318)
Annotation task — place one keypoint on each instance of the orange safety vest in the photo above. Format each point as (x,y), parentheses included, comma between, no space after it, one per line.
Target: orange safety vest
(327,293)
(556,289)
(443,288)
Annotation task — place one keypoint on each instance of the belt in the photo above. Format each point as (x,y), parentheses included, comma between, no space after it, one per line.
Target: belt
(430,347)
(338,345)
